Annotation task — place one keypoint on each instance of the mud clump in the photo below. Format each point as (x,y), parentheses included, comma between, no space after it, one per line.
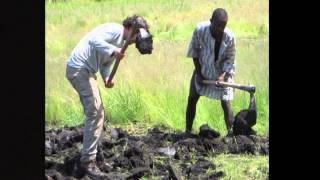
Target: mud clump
(207,132)
(158,154)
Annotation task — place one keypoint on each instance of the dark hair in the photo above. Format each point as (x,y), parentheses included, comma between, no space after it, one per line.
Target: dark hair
(136,22)
(219,14)
(143,44)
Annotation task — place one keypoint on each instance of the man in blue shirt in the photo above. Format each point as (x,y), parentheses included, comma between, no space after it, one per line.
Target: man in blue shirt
(97,51)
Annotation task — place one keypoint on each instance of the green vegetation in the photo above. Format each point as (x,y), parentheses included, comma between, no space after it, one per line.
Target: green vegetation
(153,89)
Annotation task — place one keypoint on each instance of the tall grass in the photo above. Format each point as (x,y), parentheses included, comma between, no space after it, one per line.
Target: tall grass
(154,88)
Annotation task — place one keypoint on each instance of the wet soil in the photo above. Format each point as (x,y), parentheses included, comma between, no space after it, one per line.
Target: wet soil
(156,155)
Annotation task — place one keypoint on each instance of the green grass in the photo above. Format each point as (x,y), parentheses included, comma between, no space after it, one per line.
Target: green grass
(249,167)
(153,89)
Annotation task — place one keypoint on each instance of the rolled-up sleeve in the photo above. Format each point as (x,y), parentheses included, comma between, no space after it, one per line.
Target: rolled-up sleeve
(100,43)
(194,47)
(229,61)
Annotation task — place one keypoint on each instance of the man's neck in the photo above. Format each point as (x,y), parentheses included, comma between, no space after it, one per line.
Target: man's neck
(214,37)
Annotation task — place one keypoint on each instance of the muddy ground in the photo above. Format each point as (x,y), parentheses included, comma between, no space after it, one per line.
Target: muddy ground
(156,155)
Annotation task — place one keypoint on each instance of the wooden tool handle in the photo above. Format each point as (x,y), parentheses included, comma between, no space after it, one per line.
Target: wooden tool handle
(116,64)
(249,88)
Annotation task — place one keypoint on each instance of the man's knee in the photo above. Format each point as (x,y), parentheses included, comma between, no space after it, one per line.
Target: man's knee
(226,104)
(93,108)
(193,98)
(95,113)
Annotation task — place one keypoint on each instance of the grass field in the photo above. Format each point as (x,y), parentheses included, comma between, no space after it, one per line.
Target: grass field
(153,89)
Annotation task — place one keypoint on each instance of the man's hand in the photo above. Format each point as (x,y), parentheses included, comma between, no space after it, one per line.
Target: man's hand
(118,54)
(108,84)
(221,78)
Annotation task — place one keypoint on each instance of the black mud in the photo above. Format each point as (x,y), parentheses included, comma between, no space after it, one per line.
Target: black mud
(156,155)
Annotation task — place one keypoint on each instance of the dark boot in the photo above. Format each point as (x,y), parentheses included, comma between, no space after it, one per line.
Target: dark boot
(92,170)
(230,132)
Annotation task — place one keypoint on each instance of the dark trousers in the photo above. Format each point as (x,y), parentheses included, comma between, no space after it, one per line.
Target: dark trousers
(192,104)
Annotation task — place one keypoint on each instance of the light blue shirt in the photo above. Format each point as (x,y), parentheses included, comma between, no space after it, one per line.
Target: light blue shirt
(94,50)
